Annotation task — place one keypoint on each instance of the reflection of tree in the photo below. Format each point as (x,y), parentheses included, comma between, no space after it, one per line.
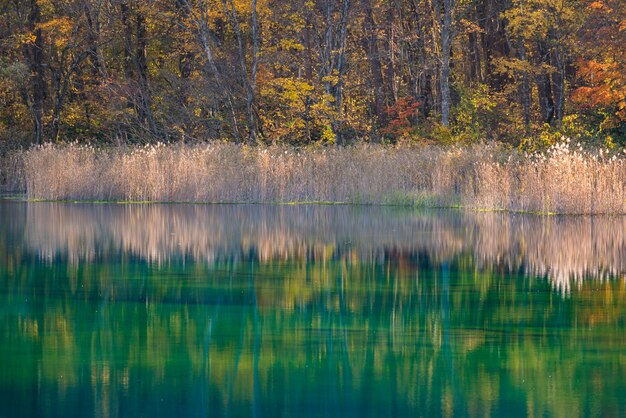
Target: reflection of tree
(355,332)
(342,320)
(566,249)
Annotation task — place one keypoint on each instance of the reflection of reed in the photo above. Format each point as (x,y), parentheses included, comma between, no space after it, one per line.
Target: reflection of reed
(567,249)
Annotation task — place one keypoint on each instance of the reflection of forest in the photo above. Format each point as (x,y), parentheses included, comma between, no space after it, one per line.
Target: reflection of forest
(566,249)
(307,311)
(345,336)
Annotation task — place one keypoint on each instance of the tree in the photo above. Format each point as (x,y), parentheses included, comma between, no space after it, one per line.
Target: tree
(601,67)
(444,10)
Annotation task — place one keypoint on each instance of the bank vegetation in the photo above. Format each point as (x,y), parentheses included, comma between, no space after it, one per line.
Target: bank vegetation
(565,179)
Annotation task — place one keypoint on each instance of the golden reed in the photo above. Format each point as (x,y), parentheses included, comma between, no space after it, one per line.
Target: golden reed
(564,179)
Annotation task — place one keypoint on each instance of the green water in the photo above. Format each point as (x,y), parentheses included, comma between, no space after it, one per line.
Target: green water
(268,311)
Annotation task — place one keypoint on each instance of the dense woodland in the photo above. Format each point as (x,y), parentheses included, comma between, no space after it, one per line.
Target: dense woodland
(522,72)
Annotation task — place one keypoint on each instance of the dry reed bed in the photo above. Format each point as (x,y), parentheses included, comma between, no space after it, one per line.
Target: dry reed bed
(12,172)
(565,179)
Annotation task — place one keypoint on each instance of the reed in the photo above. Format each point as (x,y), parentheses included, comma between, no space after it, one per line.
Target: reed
(564,179)
(12,172)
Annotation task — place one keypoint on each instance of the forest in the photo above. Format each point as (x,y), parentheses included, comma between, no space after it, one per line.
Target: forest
(524,73)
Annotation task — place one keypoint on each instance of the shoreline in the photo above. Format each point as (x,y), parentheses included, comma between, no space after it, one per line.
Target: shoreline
(23,199)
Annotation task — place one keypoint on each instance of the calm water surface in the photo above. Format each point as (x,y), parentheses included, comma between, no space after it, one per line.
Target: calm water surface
(268,311)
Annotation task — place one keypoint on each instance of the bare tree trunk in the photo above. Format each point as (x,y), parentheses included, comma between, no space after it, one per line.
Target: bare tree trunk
(57,89)
(93,38)
(446,36)
(128,41)
(253,73)
(35,59)
(332,47)
(525,87)
(308,72)
(128,51)
(476,72)
(425,72)
(544,88)
(392,95)
(373,58)
(340,66)
(98,63)
(201,21)
(558,79)
(326,57)
(248,81)
(185,60)
(145,101)
(64,65)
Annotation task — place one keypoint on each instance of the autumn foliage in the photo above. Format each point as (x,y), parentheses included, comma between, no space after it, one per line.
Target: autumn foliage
(401,116)
(312,71)
(602,68)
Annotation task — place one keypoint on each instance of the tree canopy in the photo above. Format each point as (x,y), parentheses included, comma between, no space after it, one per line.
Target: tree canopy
(312,71)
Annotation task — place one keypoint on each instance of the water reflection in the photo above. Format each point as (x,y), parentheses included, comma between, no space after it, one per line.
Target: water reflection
(165,310)
(568,250)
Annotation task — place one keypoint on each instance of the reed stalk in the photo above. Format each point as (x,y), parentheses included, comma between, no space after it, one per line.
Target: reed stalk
(564,179)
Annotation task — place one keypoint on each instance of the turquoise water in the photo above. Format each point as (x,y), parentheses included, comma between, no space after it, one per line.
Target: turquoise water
(268,311)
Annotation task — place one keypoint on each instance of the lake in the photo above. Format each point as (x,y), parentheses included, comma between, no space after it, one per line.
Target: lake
(306,311)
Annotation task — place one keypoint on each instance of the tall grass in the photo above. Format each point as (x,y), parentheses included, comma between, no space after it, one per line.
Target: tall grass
(565,179)
(12,172)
